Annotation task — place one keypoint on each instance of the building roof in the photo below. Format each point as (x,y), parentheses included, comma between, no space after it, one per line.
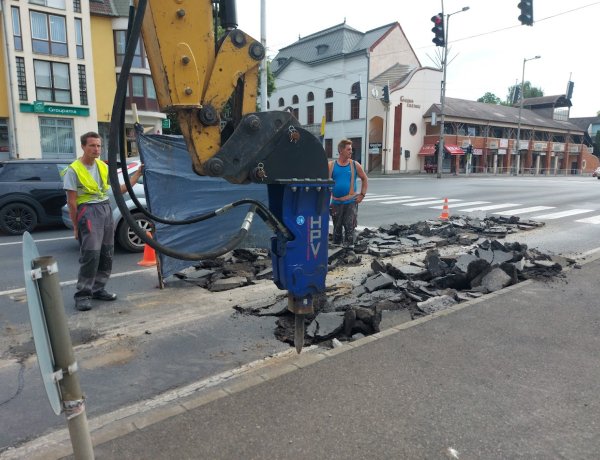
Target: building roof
(559,100)
(585,122)
(502,114)
(103,8)
(331,43)
(394,76)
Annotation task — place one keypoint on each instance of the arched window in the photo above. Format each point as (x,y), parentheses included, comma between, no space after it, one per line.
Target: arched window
(294,99)
(281,102)
(328,92)
(355,88)
(310,96)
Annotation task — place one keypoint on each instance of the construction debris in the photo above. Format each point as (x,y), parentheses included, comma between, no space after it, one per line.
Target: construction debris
(392,293)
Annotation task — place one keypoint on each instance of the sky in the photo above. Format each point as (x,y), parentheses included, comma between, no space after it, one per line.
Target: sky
(487,43)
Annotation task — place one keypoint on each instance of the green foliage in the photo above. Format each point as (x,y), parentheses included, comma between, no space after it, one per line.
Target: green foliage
(528,91)
(489,98)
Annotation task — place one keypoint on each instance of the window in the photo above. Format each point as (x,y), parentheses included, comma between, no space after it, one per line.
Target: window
(322,49)
(83,96)
(329,111)
(48,34)
(328,93)
(58,137)
(52,82)
(58,4)
(294,99)
(21,79)
(281,102)
(310,114)
(310,96)
(16,23)
(412,129)
(354,109)
(79,38)
(140,90)
(329,147)
(355,89)
(77,6)
(139,58)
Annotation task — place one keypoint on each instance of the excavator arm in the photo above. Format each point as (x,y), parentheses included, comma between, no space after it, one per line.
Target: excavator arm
(196,77)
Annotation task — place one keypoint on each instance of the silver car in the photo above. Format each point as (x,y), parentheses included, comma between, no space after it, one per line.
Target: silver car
(124,235)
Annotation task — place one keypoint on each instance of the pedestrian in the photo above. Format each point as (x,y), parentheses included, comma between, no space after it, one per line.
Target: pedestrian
(344,203)
(86,185)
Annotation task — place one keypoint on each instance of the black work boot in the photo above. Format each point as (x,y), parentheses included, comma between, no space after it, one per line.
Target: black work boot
(83,303)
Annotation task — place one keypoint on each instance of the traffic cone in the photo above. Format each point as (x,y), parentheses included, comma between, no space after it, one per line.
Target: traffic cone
(445,215)
(149,258)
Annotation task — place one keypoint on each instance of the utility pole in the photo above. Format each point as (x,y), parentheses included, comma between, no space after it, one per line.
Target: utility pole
(517,150)
(445,29)
(263,70)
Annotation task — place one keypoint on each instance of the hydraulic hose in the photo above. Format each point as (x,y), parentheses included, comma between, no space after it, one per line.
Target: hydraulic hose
(116,121)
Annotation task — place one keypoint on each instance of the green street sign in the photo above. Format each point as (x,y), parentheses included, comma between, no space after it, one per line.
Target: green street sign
(166,123)
(41,107)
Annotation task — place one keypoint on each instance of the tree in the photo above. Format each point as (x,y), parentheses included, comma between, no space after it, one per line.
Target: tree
(528,91)
(489,98)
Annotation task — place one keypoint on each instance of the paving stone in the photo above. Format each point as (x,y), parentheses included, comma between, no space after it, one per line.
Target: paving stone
(436,304)
(378,281)
(391,318)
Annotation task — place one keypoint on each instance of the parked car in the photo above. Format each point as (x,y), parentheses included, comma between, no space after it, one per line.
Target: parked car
(31,194)
(596,173)
(124,235)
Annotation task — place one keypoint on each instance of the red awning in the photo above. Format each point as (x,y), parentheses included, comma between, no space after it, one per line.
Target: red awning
(453,149)
(427,149)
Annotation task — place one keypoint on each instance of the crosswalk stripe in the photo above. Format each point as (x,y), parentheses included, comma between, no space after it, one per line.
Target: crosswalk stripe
(386,197)
(424,203)
(412,199)
(590,220)
(558,215)
(462,205)
(490,207)
(525,210)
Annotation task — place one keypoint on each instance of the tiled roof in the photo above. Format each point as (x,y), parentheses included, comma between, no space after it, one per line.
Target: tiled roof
(461,108)
(394,76)
(559,100)
(585,122)
(102,8)
(328,44)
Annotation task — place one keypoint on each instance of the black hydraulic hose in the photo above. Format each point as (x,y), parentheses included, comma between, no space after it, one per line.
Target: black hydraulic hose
(116,120)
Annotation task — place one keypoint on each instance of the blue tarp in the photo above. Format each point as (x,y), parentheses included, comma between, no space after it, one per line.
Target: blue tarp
(175,192)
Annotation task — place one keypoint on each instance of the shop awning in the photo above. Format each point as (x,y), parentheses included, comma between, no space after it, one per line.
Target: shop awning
(427,149)
(453,149)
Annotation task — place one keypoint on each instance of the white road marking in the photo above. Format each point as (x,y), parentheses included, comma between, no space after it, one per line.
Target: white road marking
(525,210)
(590,220)
(558,215)
(425,203)
(40,241)
(385,197)
(492,206)
(70,282)
(412,199)
(462,205)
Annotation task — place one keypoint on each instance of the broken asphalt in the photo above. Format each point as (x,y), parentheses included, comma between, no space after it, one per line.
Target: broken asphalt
(513,374)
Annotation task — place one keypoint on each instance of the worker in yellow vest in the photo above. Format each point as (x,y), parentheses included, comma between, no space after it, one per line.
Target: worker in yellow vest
(86,185)
(344,202)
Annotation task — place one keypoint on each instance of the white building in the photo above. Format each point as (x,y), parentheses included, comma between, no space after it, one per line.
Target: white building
(339,74)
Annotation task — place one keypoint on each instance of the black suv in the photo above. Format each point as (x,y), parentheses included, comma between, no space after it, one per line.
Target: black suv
(31,194)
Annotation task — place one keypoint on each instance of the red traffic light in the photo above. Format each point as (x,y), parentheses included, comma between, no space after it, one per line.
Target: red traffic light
(438,30)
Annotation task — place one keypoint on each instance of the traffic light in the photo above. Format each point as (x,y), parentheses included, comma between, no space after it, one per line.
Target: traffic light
(438,29)
(386,94)
(526,16)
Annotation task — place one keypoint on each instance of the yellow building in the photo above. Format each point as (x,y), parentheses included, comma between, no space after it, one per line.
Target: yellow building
(61,61)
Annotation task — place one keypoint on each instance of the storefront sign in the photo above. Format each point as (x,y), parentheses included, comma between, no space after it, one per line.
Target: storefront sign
(41,107)
(556,147)
(409,103)
(574,148)
(375,148)
(492,144)
(503,143)
(501,151)
(540,146)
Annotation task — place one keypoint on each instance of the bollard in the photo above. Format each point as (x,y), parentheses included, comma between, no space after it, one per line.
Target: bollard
(73,402)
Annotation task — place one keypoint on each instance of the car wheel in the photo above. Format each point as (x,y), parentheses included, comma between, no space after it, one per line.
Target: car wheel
(17,218)
(127,238)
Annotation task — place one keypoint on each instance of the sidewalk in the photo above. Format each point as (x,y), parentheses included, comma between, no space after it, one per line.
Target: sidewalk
(511,375)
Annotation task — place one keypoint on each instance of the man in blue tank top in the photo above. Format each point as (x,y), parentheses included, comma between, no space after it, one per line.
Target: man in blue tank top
(344,202)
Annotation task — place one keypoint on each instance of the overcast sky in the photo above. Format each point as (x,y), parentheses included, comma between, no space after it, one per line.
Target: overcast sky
(487,42)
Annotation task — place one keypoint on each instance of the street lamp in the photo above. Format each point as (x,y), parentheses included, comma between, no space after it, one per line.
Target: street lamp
(443,101)
(520,109)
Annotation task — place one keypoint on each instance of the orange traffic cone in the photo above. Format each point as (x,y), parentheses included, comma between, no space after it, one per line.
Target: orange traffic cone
(445,215)
(149,258)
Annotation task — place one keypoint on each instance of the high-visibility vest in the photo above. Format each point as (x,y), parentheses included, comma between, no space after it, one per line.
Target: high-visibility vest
(88,189)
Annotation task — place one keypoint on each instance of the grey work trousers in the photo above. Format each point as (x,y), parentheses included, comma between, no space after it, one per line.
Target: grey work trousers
(344,221)
(96,247)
